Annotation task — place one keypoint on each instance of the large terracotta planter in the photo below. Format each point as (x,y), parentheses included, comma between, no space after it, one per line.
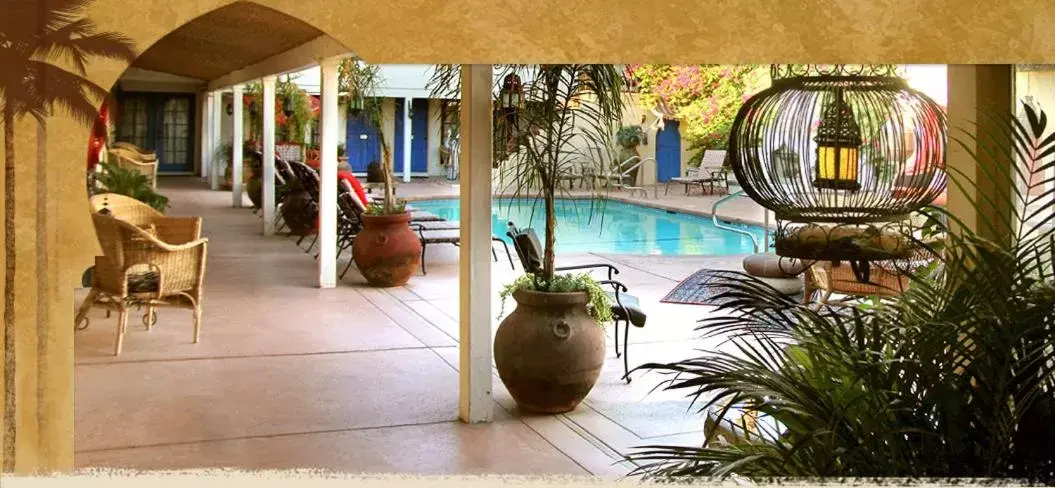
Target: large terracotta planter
(387,252)
(254,187)
(300,213)
(549,352)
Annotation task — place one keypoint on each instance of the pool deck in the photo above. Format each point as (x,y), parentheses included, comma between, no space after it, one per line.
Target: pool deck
(358,379)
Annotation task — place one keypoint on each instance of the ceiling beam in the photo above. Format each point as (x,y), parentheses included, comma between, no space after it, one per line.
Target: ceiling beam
(301,57)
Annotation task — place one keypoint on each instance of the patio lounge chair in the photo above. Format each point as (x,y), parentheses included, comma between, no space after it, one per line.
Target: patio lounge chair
(139,268)
(626,308)
(710,171)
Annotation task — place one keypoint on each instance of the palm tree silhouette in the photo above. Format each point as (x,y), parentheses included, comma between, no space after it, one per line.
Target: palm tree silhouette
(36,38)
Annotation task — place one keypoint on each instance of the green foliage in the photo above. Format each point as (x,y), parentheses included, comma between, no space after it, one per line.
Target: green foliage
(294,127)
(631,135)
(953,378)
(705,98)
(397,207)
(131,183)
(599,306)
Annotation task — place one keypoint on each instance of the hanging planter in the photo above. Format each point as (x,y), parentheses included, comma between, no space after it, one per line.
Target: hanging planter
(806,149)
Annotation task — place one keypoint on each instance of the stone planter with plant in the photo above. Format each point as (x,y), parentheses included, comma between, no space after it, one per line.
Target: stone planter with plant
(550,350)
(386,251)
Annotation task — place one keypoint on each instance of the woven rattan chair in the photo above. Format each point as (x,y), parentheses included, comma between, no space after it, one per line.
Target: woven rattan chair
(127,160)
(886,278)
(139,214)
(133,151)
(139,269)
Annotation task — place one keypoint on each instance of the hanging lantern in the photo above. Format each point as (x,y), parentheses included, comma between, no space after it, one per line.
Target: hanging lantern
(507,123)
(829,149)
(355,103)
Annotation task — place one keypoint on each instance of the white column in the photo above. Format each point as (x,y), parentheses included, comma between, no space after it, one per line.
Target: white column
(206,132)
(236,144)
(215,167)
(407,134)
(474,343)
(268,200)
(328,175)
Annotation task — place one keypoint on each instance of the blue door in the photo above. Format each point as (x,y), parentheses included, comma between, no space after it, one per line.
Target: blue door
(419,136)
(419,130)
(668,151)
(362,146)
(161,122)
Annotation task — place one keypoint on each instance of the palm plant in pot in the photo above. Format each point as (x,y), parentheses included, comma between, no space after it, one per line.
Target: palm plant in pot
(550,350)
(953,378)
(387,252)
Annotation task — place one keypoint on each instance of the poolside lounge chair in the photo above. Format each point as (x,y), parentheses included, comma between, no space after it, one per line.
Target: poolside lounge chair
(710,171)
(713,172)
(626,308)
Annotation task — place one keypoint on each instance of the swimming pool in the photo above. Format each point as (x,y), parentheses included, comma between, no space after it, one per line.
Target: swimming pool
(612,227)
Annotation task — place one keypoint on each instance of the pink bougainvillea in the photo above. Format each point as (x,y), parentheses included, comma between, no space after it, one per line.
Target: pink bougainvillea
(705,98)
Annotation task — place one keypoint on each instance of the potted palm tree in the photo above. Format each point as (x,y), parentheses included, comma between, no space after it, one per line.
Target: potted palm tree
(950,379)
(387,252)
(550,350)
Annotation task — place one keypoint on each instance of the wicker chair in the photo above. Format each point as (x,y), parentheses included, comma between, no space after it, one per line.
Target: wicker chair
(886,278)
(127,160)
(139,214)
(139,269)
(133,151)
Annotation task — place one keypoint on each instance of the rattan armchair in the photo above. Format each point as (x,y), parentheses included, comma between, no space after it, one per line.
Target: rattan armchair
(133,151)
(127,160)
(140,269)
(139,214)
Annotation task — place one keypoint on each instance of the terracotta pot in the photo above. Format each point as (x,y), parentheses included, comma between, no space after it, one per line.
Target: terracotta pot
(549,352)
(387,252)
(255,188)
(299,212)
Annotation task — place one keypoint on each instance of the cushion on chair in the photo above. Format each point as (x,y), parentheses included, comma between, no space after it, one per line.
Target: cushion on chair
(633,306)
(769,265)
(786,286)
(143,282)
(530,250)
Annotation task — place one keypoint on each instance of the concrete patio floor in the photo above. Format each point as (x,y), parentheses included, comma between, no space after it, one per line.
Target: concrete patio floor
(356,379)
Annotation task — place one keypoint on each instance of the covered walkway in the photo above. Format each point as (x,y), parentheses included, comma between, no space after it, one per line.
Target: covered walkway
(353,378)
(286,375)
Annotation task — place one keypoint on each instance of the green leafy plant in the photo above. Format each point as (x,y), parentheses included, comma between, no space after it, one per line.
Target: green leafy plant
(599,306)
(705,97)
(953,378)
(630,135)
(293,127)
(131,183)
(397,207)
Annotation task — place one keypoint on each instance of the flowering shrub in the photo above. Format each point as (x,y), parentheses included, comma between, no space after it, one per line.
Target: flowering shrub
(705,97)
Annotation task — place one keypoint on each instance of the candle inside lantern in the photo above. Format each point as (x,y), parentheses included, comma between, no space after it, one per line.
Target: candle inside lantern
(838,141)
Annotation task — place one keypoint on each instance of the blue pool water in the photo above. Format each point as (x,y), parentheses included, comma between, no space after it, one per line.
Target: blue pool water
(612,227)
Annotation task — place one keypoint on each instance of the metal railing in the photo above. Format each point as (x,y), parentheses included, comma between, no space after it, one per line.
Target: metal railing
(720,225)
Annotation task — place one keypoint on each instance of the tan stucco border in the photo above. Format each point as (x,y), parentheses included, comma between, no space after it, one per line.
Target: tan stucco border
(55,242)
